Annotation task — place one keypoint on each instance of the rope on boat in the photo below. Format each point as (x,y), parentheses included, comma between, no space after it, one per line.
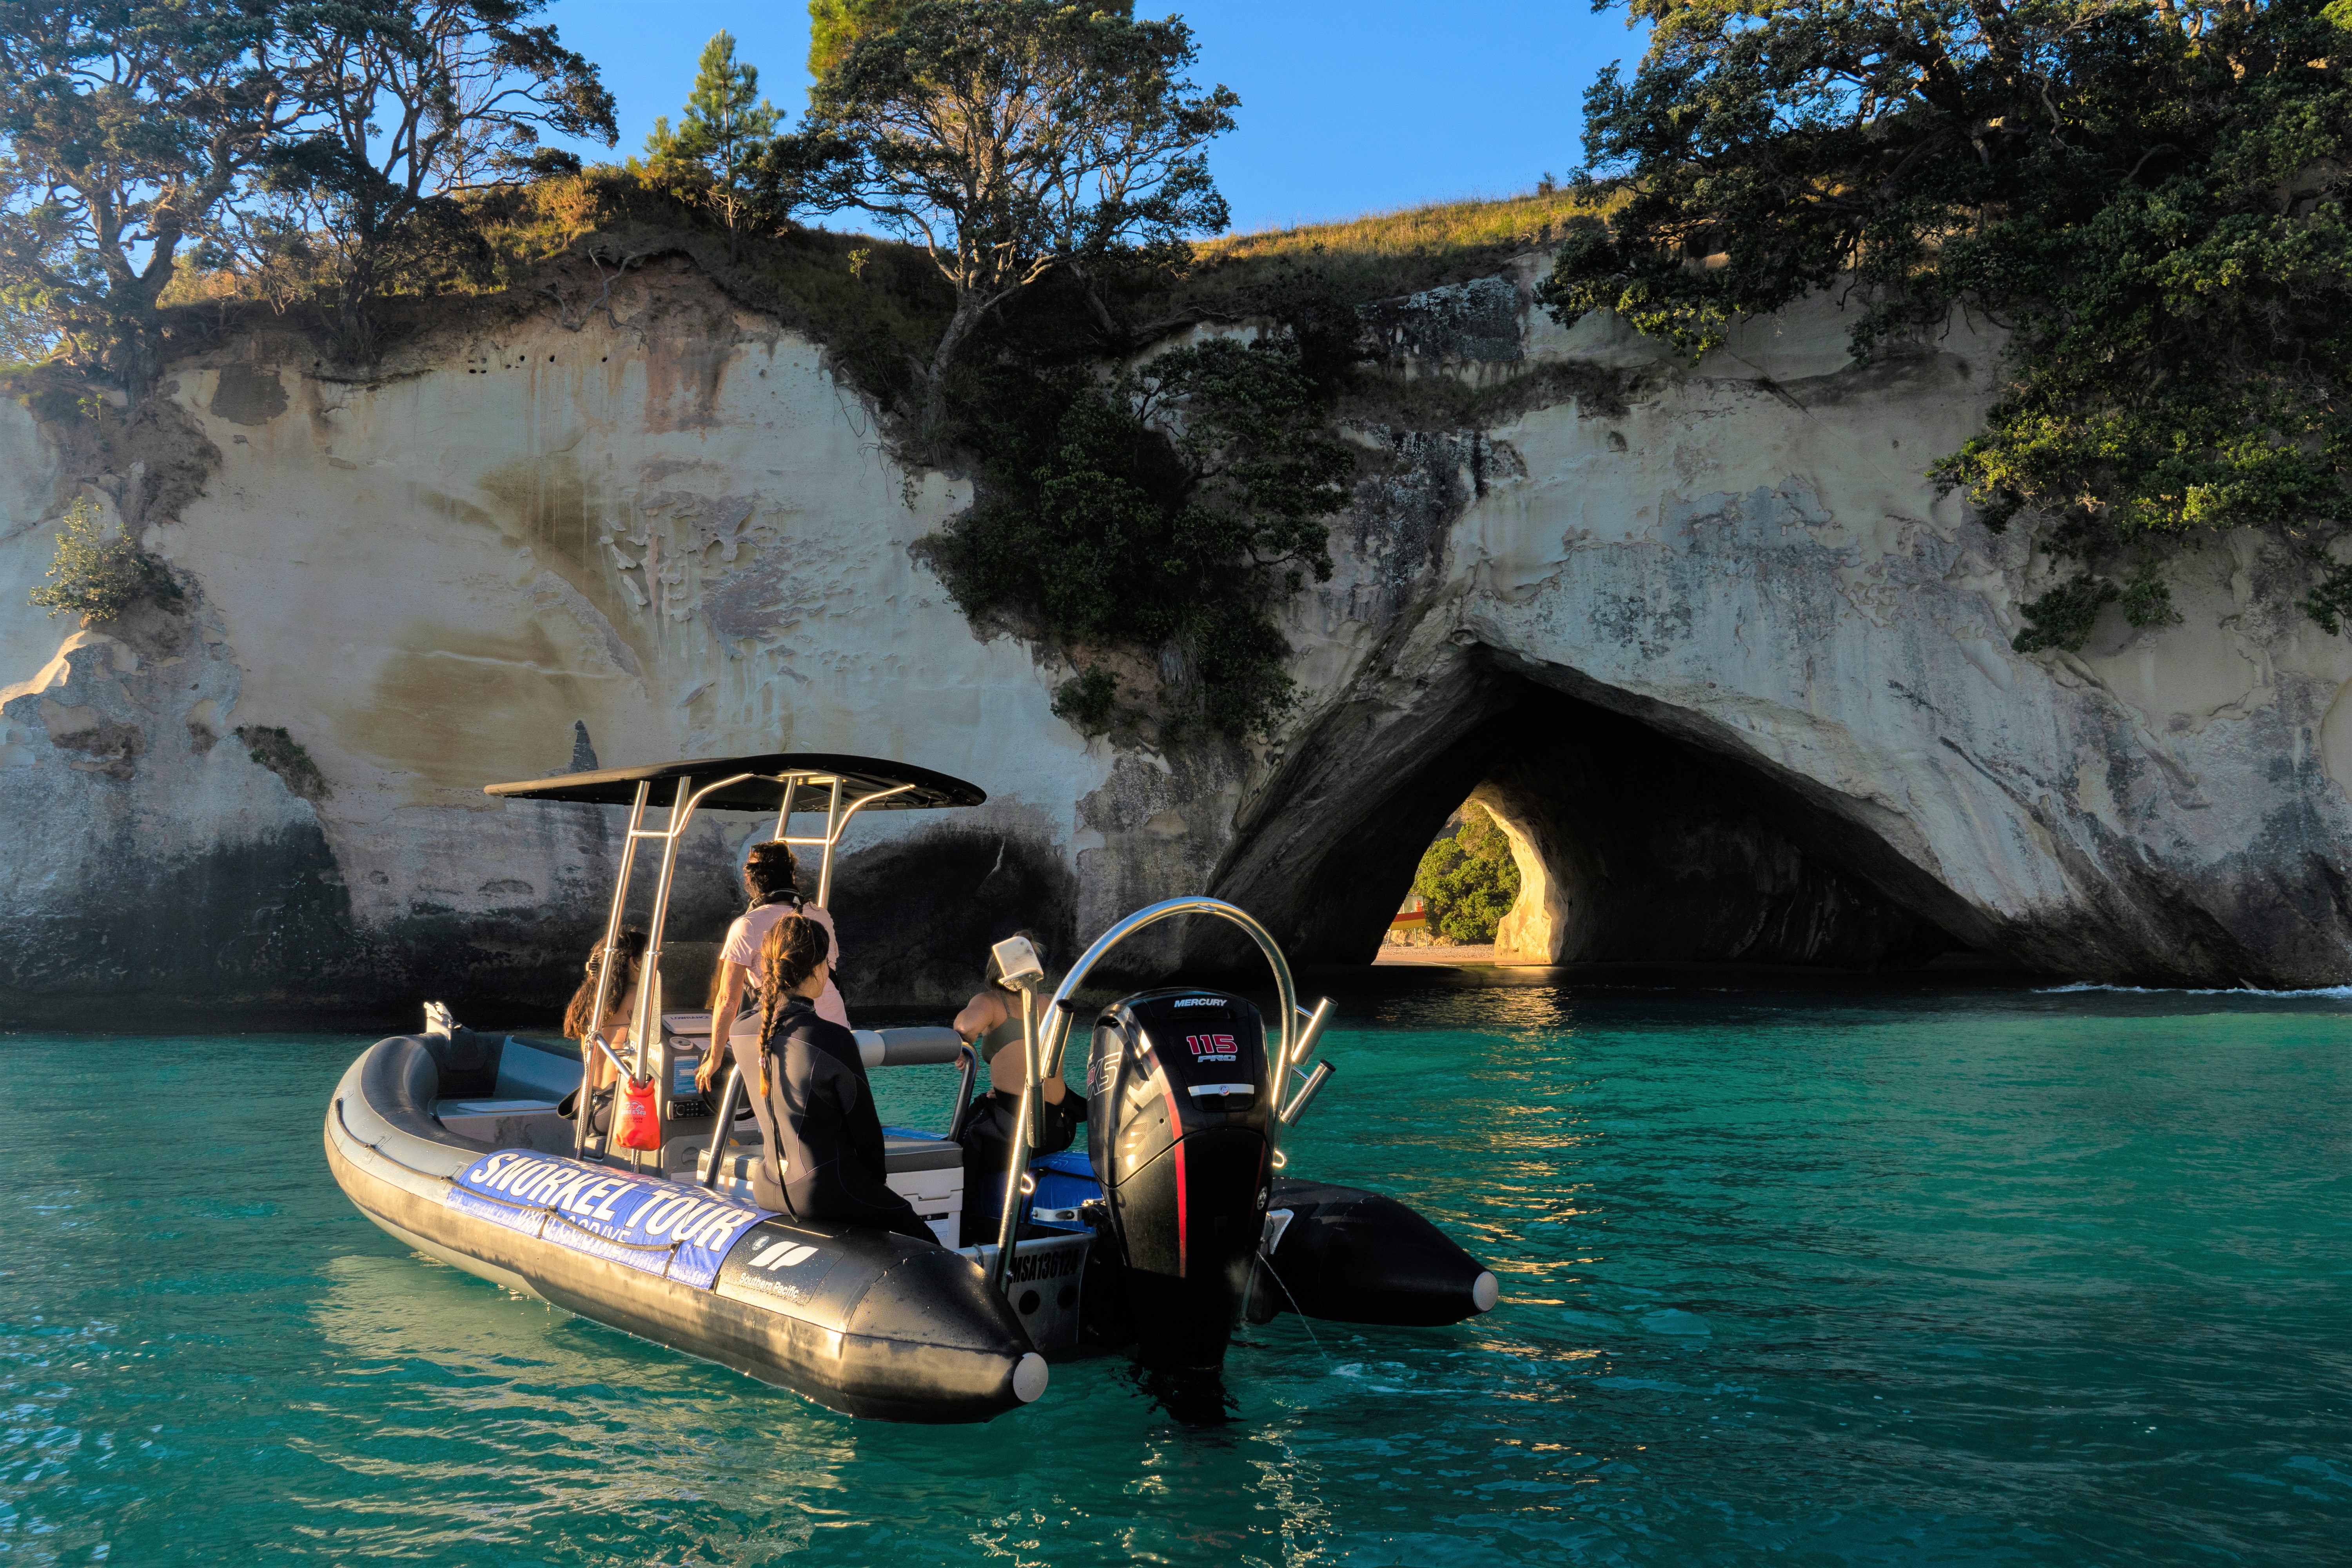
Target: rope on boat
(633,1246)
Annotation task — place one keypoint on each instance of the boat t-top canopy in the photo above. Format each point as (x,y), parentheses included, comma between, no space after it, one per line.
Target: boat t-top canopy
(789,783)
(757,784)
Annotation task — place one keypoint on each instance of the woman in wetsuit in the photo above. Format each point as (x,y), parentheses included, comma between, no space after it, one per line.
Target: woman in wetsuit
(991,1022)
(815,1104)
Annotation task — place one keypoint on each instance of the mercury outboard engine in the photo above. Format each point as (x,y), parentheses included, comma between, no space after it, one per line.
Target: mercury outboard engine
(1182,1096)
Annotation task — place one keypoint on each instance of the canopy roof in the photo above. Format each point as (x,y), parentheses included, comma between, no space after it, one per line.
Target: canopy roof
(859,776)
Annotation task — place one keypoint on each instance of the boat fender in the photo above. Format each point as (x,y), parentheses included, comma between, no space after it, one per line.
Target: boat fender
(639,1126)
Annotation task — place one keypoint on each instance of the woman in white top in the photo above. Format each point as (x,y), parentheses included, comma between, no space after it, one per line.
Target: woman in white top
(772,881)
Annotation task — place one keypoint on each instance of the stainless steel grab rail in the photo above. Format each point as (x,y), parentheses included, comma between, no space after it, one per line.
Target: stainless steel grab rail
(1045,1054)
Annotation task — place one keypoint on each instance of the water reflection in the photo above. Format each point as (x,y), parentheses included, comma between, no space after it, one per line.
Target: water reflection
(473,1412)
(2046,1280)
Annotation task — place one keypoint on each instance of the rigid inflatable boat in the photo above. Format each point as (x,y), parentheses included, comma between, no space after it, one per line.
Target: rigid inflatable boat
(1173,1225)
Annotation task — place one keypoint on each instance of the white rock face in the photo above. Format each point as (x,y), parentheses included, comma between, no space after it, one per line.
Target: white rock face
(1736,676)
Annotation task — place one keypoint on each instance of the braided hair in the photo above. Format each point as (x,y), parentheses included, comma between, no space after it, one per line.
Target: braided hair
(789,955)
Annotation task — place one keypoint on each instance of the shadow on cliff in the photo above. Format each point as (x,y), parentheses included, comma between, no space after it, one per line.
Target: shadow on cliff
(1635,845)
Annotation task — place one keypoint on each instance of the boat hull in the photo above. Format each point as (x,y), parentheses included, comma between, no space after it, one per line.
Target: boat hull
(863,1322)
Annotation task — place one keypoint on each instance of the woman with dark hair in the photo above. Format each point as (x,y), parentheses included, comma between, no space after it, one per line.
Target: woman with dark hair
(620,1008)
(771,881)
(822,1154)
(991,1021)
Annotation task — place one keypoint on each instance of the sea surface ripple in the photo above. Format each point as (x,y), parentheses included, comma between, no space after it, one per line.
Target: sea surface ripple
(2007,1278)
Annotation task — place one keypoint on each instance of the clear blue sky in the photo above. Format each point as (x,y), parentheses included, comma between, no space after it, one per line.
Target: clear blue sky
(1345,108)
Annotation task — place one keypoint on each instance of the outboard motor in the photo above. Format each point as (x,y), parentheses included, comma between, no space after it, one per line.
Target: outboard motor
(1182,1095)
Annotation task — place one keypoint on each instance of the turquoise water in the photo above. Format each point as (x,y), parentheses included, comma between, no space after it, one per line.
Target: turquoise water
(1991,1279)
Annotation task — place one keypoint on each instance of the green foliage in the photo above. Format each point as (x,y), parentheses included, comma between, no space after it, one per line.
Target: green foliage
(719,138)
(2147,600)
(1468,879)
(1088,701)
(1011,140)
(403,106)
(2150,196)
(2063,616)
(281,753)
(1167,511)
(126,128)
(835,24)
(100,578)
(2330,602)
(323,145)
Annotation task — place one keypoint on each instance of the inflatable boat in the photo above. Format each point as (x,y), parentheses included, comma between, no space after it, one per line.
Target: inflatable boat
(1172,1226)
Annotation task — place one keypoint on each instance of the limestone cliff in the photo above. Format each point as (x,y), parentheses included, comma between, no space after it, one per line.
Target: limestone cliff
(1736,679)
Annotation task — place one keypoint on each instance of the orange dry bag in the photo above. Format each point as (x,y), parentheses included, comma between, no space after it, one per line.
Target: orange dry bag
(640,1124)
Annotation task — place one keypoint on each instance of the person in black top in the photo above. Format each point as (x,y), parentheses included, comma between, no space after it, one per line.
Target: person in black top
(815,1104)
(991,1022)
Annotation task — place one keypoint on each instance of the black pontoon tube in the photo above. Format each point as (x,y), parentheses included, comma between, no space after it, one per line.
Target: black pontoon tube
(859,1320)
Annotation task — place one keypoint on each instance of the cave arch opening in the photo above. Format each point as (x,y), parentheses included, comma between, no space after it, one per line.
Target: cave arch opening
(1639,838)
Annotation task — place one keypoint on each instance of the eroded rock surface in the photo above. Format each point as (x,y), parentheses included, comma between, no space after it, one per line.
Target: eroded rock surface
(1735,676)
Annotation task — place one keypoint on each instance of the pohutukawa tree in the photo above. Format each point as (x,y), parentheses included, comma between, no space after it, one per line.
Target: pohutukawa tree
(2150,195)
(406,105)
(141,133)
(1169,511)
(127,127)
(1011,138)
(835,24)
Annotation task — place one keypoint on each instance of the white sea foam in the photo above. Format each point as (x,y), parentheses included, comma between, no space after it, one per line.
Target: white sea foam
(2331,993)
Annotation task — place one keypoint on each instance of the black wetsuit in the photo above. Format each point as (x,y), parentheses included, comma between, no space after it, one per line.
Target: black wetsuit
(819,1117)
(987,1141)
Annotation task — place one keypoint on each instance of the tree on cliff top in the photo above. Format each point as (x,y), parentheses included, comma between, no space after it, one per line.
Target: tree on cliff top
(406,106)
(128,128)
(2150,195)
(336,132)
(1011,138)
(835,24)
(720,136)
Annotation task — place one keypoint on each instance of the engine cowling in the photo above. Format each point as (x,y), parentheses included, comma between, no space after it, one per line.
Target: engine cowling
(1181,1091)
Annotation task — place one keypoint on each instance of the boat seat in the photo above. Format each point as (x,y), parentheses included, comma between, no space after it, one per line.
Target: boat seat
(926,1172)
(900,1156)
(903,1155)
(508,1123)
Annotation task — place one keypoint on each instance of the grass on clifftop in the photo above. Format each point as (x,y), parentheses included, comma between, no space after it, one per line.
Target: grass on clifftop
(875,302)
(1381,254)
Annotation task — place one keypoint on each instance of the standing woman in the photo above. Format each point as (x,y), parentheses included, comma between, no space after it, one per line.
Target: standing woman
(771,881)
(821,1155)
